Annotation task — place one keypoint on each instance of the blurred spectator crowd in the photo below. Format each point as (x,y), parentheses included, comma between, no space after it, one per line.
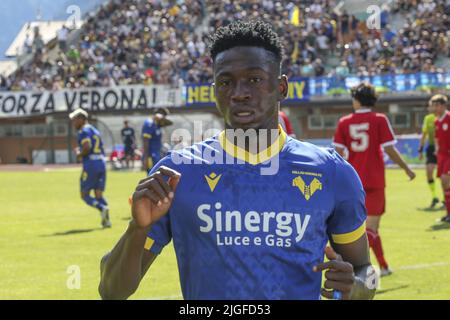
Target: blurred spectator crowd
(165,42)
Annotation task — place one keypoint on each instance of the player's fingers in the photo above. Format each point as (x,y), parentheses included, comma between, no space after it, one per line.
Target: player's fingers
(331,254)
(335,265)
(173,182)
(145,183)
(145,193)
(164,185)
(347,277)
(344,288)
(158,190)
(169,172)
(144,180)
(141,182)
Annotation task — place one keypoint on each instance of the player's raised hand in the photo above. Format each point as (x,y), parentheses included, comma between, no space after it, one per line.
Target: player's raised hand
(153,196)
(339,277)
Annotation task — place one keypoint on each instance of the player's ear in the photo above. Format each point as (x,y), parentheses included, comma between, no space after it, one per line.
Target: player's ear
(282,87)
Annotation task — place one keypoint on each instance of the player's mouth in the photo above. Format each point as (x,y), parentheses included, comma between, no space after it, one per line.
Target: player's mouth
(243,116)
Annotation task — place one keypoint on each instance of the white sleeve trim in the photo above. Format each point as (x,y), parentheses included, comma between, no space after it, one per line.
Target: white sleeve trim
(389,143)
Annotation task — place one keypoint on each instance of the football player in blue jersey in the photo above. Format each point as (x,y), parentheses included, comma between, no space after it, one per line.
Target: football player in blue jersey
(90,152)
(240,232)
(152,138)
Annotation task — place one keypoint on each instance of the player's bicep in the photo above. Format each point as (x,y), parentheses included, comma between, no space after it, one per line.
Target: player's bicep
(356,252)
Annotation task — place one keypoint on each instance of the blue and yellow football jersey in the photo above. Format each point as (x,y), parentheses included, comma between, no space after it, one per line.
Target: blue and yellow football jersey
(152,131)
(240,234)
(90,134)
(93,176)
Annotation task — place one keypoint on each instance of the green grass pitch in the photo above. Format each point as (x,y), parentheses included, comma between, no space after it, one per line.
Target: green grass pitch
(45,228)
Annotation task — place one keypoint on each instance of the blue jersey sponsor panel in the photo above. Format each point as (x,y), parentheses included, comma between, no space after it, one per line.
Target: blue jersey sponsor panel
(241,234)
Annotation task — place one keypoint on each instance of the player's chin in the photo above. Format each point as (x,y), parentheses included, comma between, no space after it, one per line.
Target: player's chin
(237,123)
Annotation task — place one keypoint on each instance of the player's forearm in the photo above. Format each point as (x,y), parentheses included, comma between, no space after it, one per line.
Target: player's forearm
(366,281)
(121,269)
(422,141)
(396,157)
(145,154)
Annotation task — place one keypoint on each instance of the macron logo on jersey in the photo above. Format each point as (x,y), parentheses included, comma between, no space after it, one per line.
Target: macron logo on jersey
(288,226)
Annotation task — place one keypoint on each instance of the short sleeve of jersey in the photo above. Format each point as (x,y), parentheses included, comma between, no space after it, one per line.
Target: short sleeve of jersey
(148,130)
(347,222)
(160,234)
(339,138)
(386,133)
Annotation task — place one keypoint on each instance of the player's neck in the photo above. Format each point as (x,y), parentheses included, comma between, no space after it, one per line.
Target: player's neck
(362,109)
(253,140)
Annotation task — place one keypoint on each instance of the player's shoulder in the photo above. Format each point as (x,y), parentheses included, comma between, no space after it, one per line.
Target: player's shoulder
(183,157)
(148,122)
(430,117)
(447,117)
(87,129)
(380,116)
(316,155)
(346,118)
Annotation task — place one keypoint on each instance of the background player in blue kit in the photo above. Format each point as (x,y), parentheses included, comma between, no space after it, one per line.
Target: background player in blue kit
(152,138)
(90,152)
(241,232)
(129,141)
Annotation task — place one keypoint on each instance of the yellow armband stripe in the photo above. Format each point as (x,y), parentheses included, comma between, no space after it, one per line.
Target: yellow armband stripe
(88,140)
(345,238)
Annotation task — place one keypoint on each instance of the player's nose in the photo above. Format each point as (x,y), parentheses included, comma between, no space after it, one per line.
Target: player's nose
(241,92)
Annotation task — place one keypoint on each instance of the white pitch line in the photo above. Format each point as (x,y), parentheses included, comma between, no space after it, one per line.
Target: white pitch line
(424,266)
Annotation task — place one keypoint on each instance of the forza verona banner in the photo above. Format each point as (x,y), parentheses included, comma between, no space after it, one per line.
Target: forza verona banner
(120,98)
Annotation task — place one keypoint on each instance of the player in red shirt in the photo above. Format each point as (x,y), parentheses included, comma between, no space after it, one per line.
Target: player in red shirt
(440,101)
(283,120)
(363,134)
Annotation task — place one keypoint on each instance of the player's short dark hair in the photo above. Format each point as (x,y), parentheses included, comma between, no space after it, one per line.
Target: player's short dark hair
(365,93)
(439,98)
(254,33)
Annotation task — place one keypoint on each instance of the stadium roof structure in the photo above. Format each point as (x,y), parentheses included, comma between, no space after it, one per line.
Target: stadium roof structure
(7,67)
(47,29)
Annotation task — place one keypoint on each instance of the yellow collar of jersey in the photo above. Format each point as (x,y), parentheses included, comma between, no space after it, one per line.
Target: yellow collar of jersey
(262,156)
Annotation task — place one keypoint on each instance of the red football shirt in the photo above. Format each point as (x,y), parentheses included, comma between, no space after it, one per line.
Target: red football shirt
(363,133)
(285,123)
(443,134)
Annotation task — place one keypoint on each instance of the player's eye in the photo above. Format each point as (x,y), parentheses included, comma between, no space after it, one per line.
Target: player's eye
(255,79)
(224,82)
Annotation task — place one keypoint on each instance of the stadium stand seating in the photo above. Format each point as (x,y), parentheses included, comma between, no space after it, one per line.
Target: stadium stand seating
(165,42)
